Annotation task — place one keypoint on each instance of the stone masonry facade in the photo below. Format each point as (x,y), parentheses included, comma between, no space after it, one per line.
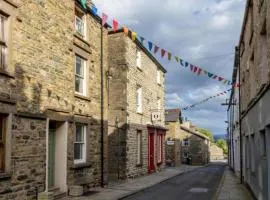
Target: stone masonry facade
(124,120)
(37,89)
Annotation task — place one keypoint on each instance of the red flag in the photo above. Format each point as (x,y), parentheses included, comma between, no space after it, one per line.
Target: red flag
(115,25)
(195,69)
(104,19)
(163,52)
(220,78)
(199,71)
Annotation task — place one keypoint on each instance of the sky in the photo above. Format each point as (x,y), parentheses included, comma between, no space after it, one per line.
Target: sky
(202,32)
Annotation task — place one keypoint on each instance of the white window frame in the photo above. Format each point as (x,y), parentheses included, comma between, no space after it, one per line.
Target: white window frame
(139,100)
(3,41)
(138,58)
(158,77)
(82,20)
(185,142)
(83,159)
(139,148)
(83,76)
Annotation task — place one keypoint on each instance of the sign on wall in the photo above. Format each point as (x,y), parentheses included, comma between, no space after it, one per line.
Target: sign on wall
(156,116)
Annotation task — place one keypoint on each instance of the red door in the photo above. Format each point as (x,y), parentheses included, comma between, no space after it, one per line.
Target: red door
(151,150)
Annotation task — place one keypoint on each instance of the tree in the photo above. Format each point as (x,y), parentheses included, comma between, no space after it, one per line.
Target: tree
(223,145)
(207,133)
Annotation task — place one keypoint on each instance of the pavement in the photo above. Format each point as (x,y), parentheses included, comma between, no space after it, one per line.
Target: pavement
(133,186)
(232,189)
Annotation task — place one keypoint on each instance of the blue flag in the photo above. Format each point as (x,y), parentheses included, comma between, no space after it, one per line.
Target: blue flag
(150,44)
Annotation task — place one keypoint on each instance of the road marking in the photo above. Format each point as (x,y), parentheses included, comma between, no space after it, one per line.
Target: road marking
(198,190)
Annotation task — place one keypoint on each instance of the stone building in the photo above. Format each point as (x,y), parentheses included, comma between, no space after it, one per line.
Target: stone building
(52,103)
(136,109)
(195,145)
(184,141)
(254,78)
(216,153)
(173,121)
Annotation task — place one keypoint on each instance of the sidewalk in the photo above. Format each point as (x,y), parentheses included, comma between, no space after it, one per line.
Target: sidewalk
(131,186)
(231,189)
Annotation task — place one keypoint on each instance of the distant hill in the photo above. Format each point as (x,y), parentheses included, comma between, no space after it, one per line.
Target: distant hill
(217,137)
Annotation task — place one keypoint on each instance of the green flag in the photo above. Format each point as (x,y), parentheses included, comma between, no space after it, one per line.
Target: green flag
(83,3)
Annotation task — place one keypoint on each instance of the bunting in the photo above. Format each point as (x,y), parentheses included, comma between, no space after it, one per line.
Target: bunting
(206,99)
(194,69)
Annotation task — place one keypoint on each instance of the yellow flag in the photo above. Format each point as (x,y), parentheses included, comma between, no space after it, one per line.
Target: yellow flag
(134,34)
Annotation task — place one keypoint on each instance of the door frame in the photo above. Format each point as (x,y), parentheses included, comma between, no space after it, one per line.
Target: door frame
(151,137)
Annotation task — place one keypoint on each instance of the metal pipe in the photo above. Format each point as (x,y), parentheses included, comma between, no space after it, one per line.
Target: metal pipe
(102,108)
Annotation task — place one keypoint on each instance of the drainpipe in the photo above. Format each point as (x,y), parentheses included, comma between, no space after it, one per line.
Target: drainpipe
(102,109)
(240,120)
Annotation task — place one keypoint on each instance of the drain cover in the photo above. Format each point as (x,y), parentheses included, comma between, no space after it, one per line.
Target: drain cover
(198,190)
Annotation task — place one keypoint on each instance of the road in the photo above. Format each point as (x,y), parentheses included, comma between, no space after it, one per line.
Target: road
(201,184)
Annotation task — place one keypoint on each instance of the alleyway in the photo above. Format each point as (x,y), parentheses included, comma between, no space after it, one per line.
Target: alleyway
(198,184)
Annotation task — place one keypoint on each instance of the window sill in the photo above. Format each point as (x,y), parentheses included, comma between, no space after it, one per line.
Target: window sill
(81,165)
(139,112)
(79,96)
(139,68)
(81,37)
(5,73)
(4,176)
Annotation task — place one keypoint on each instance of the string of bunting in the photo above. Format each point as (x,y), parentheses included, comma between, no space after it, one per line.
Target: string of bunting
(207,99)
(154,48)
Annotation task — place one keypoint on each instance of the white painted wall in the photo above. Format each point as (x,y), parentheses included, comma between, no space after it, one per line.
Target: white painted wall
(61,156)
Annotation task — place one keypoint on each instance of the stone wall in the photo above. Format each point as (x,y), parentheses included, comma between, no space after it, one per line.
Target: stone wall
(41,72)
(216,153)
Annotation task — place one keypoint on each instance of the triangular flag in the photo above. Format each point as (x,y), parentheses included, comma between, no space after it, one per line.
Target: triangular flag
(215,77)
(169,56)
(176,58)
(150,45)
(210,75)
(199,71)
(142,39)
(186,64)
(220,78)
(163,53)
(126,31)
(225,81)
(94,10)
(104,19)
(83,3)
(133,36)
(195,69)
(115,25)
(181,62)
(156,49)
(205,72)
(229,83)
(191,67)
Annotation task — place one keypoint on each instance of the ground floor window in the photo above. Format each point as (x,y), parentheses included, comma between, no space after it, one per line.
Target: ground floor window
(2,142)
(139,147)
(80,144)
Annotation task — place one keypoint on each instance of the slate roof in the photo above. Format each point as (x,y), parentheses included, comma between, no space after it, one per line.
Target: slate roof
(172,115)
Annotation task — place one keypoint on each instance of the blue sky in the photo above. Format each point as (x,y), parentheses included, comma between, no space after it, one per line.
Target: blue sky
(203,32)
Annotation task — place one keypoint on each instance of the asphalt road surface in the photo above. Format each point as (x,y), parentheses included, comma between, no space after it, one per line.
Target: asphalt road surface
(201,184)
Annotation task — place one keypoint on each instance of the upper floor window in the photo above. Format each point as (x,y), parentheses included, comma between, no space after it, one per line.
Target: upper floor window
(185,142)
(80,75)
(139,147)
(139,100)
(158,77)
(80,144)
(3,41)
(2,142)
(80,23)
(138,58)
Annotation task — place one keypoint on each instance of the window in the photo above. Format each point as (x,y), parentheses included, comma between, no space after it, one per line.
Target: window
(159,148)
(139,59)
(263,143)
(139,147)
(2,142)
(139,100)
(80,25)
(185,155)
(80,75)
(158,77)
(185,142)
(3,42)
(80,144)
